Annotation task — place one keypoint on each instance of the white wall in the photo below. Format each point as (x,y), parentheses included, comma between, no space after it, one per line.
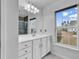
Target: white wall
(49,24)
(39,21)
(9,29)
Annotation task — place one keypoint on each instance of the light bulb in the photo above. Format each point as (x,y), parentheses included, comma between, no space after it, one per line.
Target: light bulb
(25,8)
(28,9)
(37,10)
(32,7)
(31,11)
(28,5)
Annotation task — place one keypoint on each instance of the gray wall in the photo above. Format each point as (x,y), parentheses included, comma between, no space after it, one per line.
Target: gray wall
(49,24)
(9,29)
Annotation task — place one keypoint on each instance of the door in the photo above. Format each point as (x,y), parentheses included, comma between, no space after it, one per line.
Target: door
(48,45)
(36,49)
(43,47)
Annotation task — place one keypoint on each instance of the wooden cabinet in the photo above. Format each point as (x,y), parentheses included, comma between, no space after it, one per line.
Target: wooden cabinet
(36,49)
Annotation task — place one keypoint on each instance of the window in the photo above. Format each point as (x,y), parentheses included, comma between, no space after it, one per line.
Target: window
(66,26)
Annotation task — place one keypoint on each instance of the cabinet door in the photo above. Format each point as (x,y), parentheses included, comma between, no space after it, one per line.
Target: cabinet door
(43,47)
(36,49)
(48,44)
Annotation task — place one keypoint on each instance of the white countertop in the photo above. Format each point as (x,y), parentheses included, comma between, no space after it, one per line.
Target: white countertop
(23,38)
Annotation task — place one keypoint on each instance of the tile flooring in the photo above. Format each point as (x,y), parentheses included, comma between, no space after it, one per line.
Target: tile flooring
(51,56)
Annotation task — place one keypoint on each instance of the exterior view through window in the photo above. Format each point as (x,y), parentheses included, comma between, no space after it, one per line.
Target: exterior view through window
(66,26)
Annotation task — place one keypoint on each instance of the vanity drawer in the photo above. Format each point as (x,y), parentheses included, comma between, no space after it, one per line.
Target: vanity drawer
(27,56)
(25,51)
(25,45)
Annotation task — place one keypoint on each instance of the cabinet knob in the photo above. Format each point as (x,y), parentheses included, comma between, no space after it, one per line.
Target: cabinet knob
(25,51)
(25,58)
(25,45)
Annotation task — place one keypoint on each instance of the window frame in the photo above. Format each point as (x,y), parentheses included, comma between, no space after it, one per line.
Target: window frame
(66,27)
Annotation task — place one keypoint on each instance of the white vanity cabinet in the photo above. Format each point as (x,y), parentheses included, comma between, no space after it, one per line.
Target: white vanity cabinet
(25,50)
(36,49)
(48,48)
(27,56)
(43,48)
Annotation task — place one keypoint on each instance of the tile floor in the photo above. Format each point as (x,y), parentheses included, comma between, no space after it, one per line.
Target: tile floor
(51,56)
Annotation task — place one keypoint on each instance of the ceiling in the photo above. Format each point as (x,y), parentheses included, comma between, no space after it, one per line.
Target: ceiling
(40,3)
(37,3)
(43,3)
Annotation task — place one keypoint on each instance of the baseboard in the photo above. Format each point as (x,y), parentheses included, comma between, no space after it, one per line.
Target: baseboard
(61,56)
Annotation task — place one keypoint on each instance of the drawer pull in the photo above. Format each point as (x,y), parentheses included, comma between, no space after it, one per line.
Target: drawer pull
(25,58)
(25,51)
(25,45)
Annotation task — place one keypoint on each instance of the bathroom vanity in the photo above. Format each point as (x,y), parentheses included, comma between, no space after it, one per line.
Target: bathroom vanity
(33,47)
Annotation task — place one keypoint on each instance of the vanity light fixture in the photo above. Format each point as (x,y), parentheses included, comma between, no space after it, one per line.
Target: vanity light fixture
(31,8)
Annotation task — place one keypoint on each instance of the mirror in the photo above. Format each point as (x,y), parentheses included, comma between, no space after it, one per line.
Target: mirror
(27,22)
(23,25)
(32,24)
(28,15)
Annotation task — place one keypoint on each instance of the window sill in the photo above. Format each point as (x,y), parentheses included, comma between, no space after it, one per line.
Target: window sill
(68,46)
